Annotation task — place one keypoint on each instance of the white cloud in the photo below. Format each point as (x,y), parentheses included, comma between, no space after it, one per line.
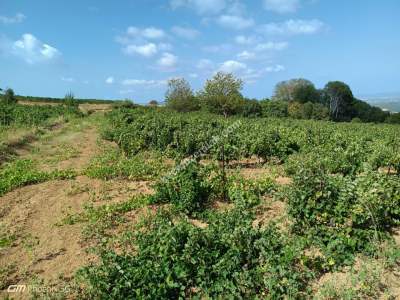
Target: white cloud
(205,64)
(18,18)
(218,48)
(167,62)
(151,33)
(271,46)
(245,40)
(125,92)
(33,50)
(164,47)
(247,73)
(202,7)
(293,27)
(276,68)
(282,6)
(143,83)
(251,75)
(68,79)
(110,80)
(235,22)
(147,50)
(246,55)
(185,32)
(232,66)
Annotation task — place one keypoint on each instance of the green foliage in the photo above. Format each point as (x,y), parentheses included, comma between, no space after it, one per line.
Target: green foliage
(343,215)
(22,172)
(227,259)
(70,101)
(180,97)
(222,95)
(113,164)
(393,118)
(299,90)
(8,98)
(187,188)
(251,108)
(28,116)
(274,108)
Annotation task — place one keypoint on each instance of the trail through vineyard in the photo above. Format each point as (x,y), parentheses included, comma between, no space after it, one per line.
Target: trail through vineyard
(43,247)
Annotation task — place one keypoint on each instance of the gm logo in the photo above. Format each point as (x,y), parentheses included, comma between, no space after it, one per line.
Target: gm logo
(16,288)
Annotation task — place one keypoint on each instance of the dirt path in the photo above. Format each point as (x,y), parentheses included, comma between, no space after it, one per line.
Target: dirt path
(38,248)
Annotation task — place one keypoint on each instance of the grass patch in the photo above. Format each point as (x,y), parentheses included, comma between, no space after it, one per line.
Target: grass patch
(113,164)
(23,172)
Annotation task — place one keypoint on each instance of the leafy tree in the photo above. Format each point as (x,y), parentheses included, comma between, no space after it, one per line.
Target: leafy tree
(341,100)
(251,108)
(222,95)
(153,103)
(320,112)
(274,108)
(179,96)
(295,110)
(368,113)
(300,90)
(393,118)
(8,97)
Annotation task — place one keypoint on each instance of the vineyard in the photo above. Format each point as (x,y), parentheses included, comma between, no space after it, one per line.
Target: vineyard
(167,205)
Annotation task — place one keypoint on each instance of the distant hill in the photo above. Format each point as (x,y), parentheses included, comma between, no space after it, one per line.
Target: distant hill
(391,103)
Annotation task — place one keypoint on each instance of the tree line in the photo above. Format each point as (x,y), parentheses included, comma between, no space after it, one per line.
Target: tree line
(295,98)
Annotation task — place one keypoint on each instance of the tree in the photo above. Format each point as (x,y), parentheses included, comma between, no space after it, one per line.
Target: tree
(9,97)
(393,118)
(274,108)
(368,113)
(70,101)
(179,96)
(153,103)
(341,100)
(222,95)
(251,108)
(299,90)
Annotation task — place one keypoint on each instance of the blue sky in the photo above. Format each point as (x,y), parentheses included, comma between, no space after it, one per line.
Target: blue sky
(130,48)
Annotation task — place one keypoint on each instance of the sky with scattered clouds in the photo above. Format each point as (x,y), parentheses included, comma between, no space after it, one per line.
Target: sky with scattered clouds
(130,48)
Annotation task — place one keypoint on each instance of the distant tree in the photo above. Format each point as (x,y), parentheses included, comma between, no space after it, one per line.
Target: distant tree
(274,108)
(153,103)
(126,103)
(179,96)
(222,94)
(341,100)
(299,90)
(251,108)
(8,97)
(70,101)
(393,118)
(368,113)
(320,112)
(295,110)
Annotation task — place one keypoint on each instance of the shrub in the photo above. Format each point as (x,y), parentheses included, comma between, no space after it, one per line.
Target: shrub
(227,259)
(70,101)
(344,216)
(187,189)
(8,98)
